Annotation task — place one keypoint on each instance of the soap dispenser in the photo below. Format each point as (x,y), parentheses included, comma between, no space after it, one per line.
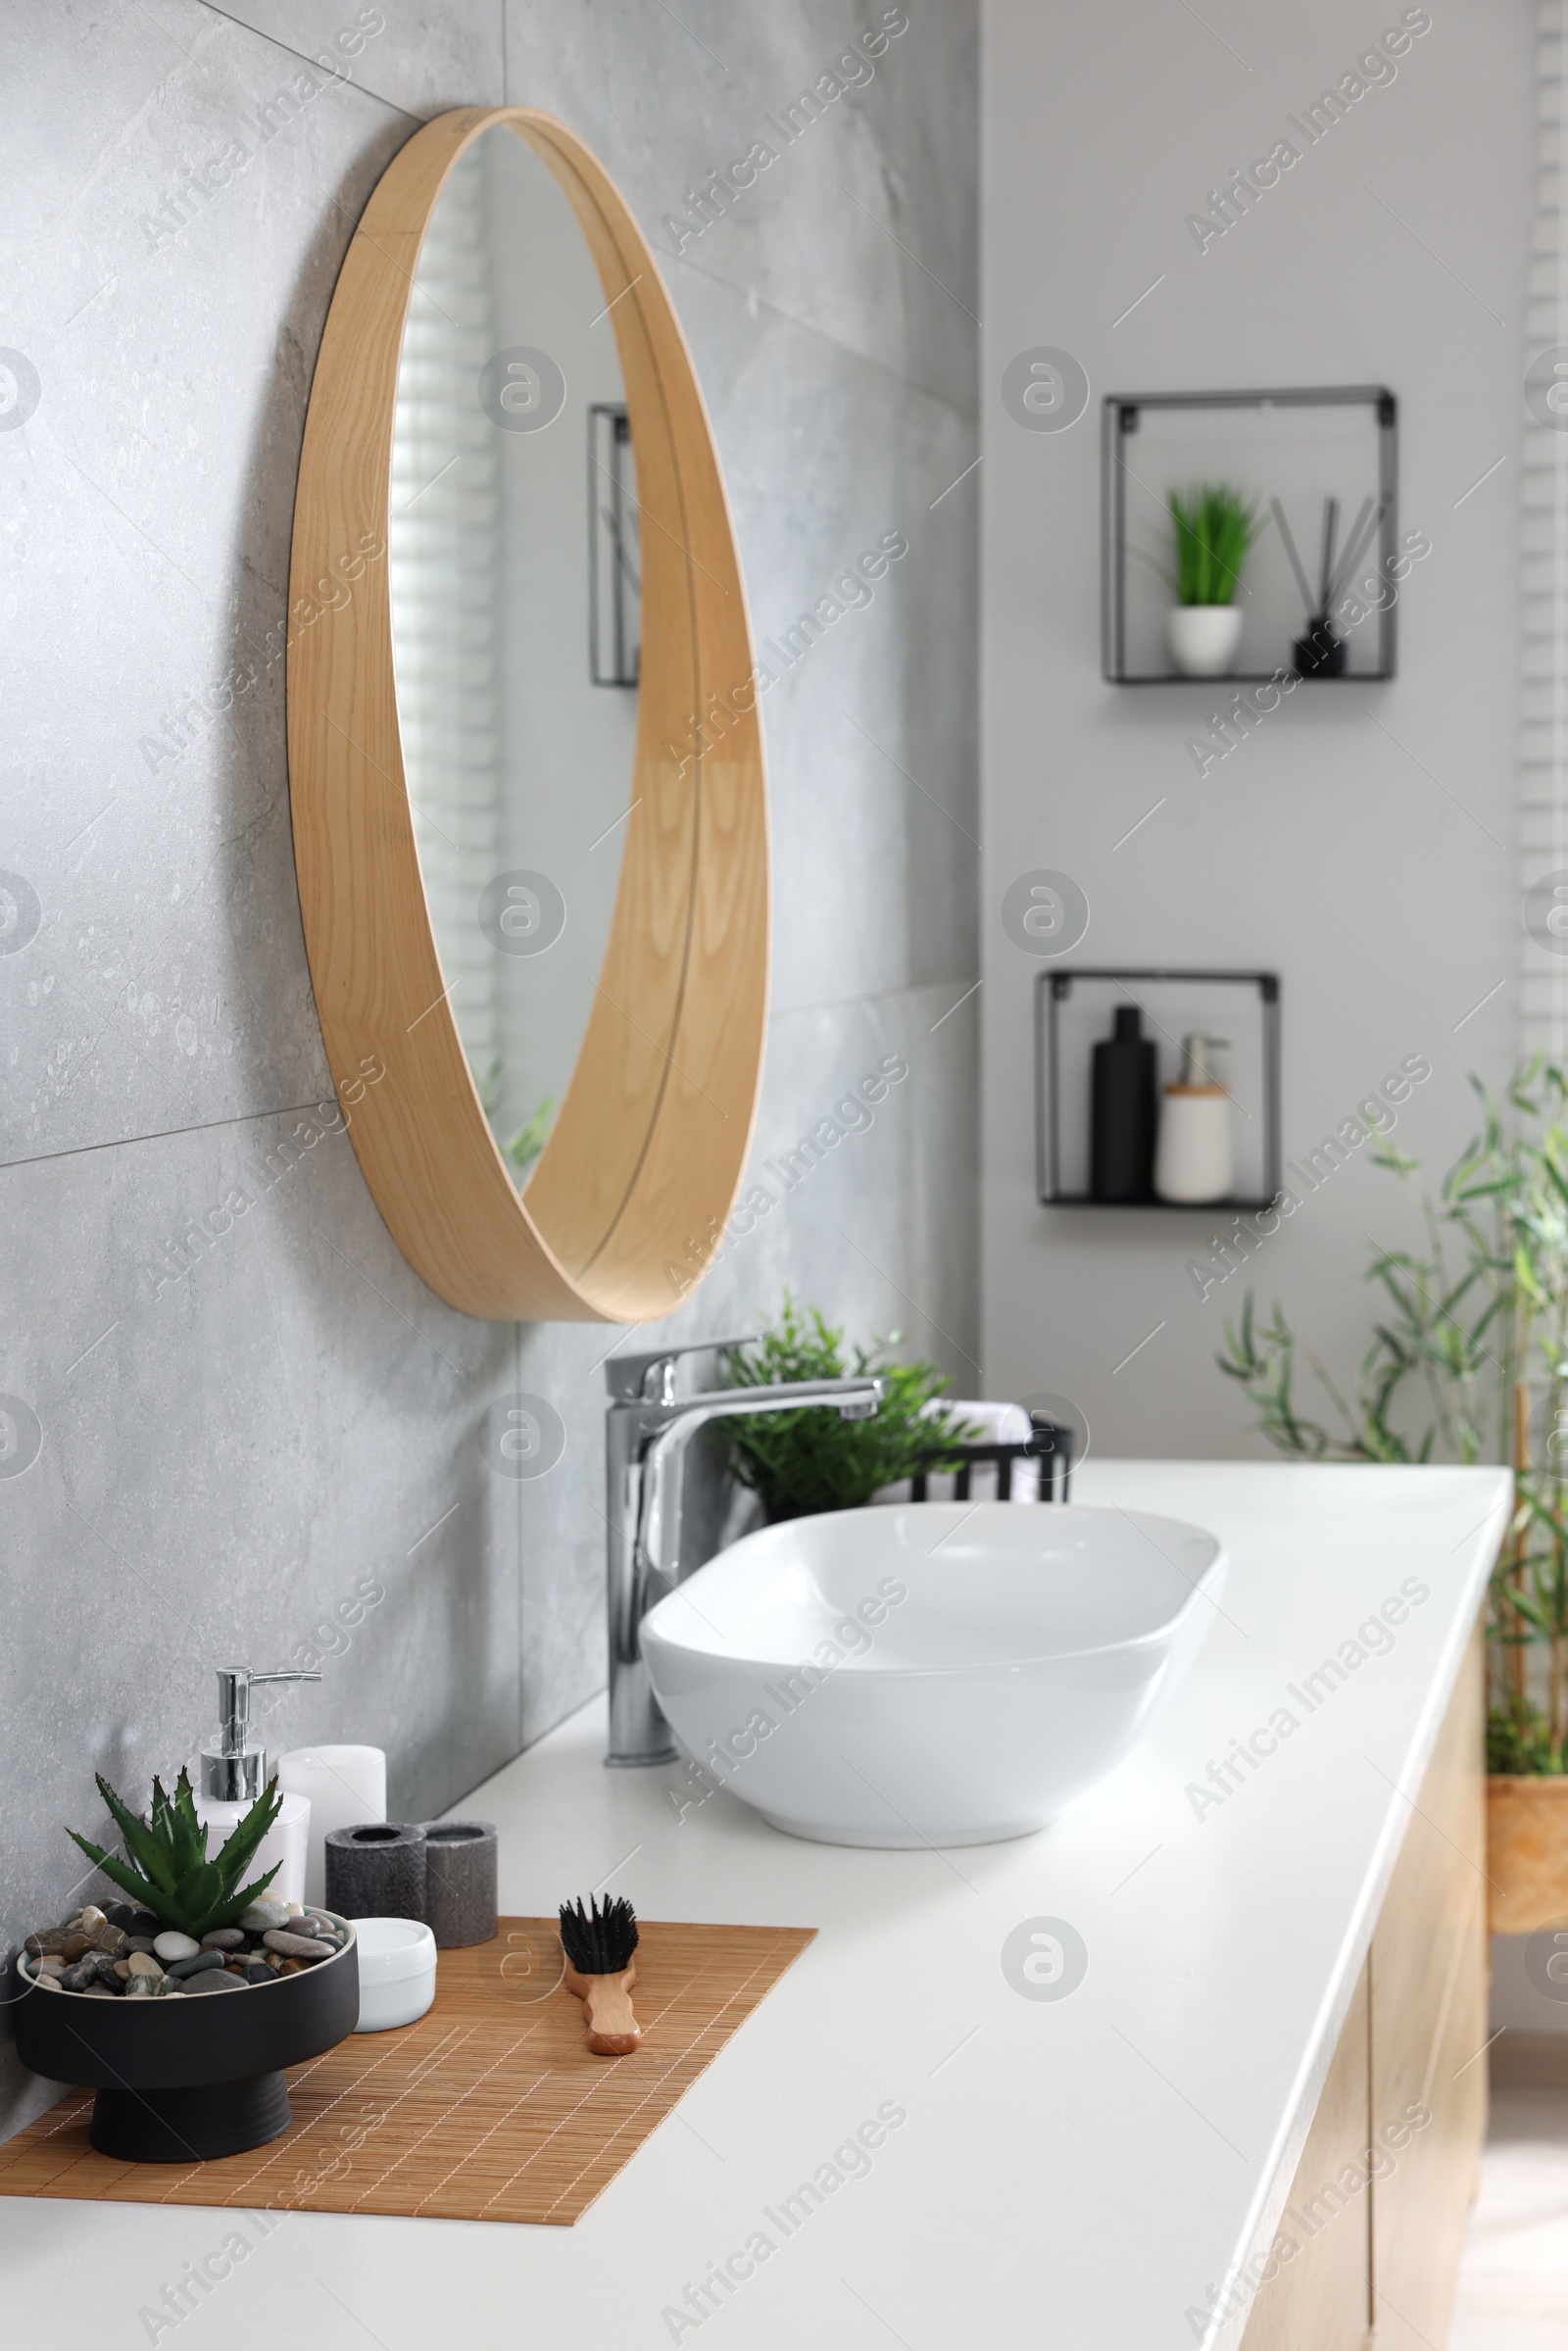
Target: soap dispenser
(1121,1127)
(234,1775)
(1194,1161)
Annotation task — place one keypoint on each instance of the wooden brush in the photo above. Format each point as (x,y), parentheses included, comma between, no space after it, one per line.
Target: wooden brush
(600,1969)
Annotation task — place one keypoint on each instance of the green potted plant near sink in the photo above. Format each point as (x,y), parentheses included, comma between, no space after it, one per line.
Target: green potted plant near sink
(1469,1362)
(801,1463)
(1213,528)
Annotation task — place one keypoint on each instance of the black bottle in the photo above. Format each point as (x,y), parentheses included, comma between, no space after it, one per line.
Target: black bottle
(1121,1154)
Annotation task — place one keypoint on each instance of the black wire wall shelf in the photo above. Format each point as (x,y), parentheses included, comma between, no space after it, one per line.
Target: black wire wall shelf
(1053,989)
(1132,653)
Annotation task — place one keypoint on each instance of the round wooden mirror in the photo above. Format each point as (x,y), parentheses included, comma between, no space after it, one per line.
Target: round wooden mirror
(524,758)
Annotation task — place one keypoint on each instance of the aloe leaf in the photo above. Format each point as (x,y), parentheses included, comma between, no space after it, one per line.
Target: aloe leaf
(197,1893)
(190,1837)
(145,1847)
(163,1817)
(233,1906)
(247,1833)
(150,1897)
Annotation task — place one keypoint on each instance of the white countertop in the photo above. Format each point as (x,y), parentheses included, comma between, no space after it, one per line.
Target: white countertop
(1077,2172)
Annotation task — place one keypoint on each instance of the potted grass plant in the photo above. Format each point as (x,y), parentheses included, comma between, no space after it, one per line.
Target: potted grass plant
(1213,527)
(1469,1362)
(800,1463)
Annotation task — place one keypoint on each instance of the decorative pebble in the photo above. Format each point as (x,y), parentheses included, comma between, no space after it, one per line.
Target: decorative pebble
(53,1939)
(297,1946)
(122,1970)
(296,1910)
(102,1933)
(171,1944)
(75,1944)
(291,1967)
(138,1942)
(144,1922)
(49,1982)
(141,1987)
(143,1963)
(198,1964)
(264,1915)
(256,1970)
(48,1966)
(223,1939)
(119,1914)
(99,1992)
(213,1978)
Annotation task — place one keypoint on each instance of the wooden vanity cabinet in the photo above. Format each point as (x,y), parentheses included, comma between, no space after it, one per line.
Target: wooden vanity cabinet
(1380,2262)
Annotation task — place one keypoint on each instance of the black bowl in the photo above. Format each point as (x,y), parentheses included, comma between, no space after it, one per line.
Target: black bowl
(181,2084)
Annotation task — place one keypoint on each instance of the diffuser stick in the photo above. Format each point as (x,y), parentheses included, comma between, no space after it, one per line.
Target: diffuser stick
(1301,581)
(1331,524)
(1366,524)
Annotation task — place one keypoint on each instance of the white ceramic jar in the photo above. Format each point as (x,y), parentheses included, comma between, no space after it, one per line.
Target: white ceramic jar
(397,1972)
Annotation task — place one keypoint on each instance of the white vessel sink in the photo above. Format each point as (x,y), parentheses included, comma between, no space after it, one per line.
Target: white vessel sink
(940,1672)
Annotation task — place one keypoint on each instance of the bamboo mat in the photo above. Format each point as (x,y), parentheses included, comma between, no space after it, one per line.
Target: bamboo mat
(490,2108)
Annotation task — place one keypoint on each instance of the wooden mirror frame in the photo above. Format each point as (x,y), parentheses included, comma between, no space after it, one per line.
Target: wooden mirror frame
(633,1189)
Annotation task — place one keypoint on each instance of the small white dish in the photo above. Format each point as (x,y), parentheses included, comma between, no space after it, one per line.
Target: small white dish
(397,1972)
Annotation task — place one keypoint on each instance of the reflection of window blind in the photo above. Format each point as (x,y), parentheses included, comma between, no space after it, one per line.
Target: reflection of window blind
(1543,729)
(444,545)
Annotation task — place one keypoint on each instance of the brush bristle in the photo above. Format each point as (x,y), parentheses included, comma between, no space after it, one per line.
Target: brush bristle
(599,1942)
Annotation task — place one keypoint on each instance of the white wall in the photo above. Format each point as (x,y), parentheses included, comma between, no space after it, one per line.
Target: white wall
(1361,841)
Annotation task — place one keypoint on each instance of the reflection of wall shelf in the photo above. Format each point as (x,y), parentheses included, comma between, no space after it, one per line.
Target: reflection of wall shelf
(1153,441)
(1061,1146)
(615,556)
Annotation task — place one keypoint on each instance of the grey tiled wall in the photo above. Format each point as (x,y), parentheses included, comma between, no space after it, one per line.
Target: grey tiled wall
(239,1437)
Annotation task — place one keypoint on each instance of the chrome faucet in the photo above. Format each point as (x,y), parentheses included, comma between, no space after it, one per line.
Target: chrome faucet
(646,1437)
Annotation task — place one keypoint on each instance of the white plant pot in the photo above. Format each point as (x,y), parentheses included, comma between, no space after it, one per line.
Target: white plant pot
(1203,638)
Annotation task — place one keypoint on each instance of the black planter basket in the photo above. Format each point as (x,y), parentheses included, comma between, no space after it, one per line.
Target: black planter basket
(184,2081)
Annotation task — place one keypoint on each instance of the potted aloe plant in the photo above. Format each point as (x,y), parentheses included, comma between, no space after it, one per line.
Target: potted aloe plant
(1469,1362)
(1213,527)
(117,1998)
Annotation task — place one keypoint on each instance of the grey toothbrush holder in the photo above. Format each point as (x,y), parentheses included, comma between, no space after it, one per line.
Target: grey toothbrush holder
(376,1871)
(460,1884)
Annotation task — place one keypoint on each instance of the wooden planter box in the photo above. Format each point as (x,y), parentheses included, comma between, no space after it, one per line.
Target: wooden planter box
(1527,1853)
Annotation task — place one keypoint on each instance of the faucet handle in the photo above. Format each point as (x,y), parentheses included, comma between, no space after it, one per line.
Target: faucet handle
(648,1379)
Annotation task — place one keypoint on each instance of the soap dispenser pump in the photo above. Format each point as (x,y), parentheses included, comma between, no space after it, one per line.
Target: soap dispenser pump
(233,1764)
(1194,1161)
(234,1775)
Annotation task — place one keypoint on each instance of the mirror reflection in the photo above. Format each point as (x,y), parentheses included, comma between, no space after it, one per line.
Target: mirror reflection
(516,621)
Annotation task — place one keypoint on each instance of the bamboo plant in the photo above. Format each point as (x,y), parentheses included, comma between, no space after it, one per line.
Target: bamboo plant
(1468,1362)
